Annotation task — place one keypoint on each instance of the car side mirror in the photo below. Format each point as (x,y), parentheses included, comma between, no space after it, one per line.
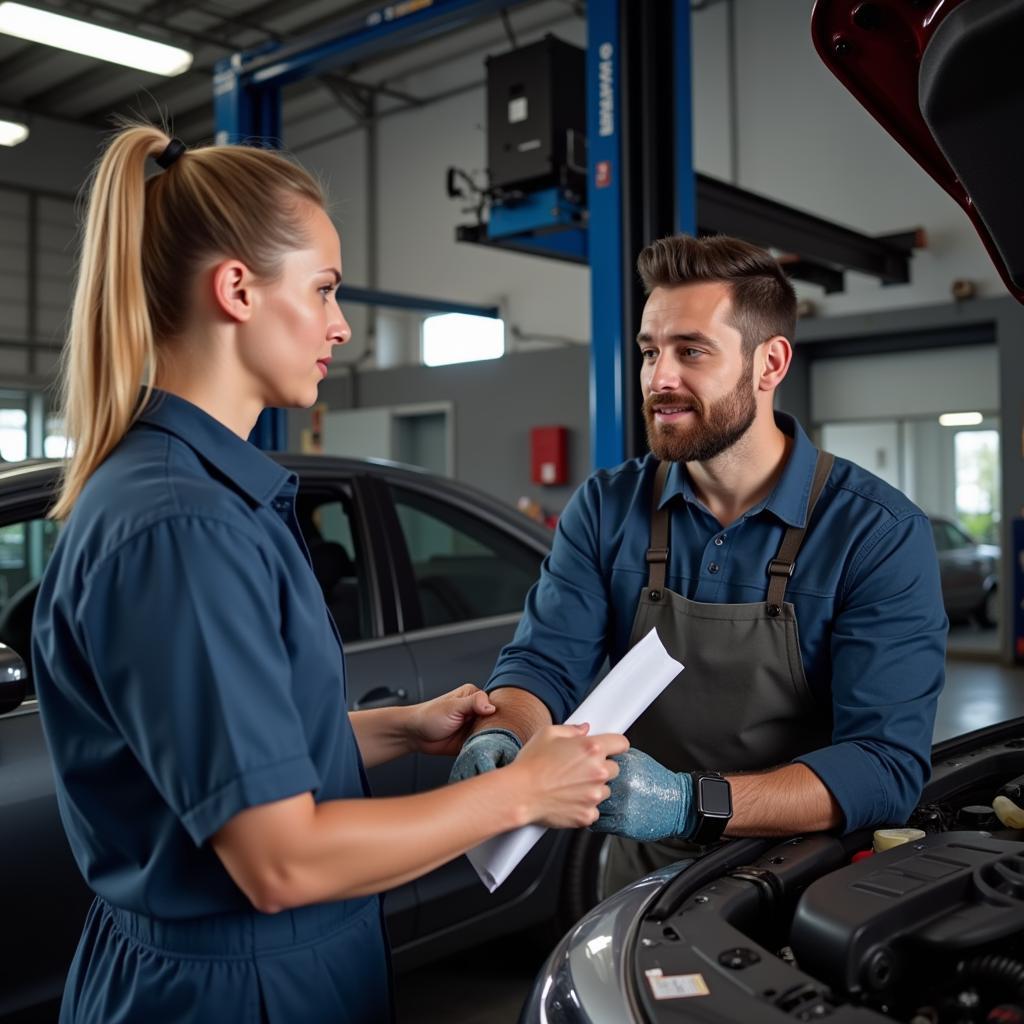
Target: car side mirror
(13,679)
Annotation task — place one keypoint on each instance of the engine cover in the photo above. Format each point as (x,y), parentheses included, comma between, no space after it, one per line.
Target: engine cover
(859,928)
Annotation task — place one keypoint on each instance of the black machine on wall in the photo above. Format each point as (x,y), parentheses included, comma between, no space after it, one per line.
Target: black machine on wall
(536,118)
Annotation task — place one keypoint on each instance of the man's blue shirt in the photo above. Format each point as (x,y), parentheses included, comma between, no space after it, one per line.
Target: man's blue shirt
(185,662)
(865,588)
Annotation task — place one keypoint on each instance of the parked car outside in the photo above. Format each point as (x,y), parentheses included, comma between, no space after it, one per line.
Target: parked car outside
(817,927)
(969,572)
(426,579)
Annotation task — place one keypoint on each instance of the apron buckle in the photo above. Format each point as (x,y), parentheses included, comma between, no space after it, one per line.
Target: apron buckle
(777,567)
(657,555)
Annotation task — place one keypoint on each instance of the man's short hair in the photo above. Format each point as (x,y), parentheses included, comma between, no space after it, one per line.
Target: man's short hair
(763,300)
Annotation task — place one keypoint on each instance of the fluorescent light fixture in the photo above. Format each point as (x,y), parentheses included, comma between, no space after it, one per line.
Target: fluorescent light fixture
(960,419)
(92,40)
(11,133)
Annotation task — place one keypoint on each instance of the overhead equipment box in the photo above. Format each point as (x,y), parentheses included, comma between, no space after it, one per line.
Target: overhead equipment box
(536,117)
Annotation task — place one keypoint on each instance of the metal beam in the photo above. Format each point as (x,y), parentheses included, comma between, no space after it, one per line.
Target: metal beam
(382,32)
(728,210)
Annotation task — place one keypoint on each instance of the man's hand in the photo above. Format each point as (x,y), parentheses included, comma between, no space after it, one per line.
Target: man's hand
(485,751)
(648,802)
(441,725)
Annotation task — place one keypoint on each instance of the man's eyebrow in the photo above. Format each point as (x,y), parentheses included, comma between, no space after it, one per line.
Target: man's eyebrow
(692,336)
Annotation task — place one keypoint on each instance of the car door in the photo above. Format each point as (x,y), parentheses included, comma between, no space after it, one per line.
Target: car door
(44,897)
(468,578)
(346,554)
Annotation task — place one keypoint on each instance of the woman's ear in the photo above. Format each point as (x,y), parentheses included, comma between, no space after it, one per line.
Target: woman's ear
(233,291)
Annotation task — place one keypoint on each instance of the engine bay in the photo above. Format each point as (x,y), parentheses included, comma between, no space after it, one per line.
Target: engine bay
(928,931)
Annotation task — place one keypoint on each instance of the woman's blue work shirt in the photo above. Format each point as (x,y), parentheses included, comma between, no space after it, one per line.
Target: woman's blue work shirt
(187,669)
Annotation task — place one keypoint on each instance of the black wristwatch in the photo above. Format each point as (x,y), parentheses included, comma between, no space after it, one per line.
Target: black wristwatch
(712,799)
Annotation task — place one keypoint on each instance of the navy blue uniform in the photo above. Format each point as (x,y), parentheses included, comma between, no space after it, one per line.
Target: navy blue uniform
(187,669)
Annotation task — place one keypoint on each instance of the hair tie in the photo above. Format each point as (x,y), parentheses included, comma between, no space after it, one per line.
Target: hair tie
(174,149)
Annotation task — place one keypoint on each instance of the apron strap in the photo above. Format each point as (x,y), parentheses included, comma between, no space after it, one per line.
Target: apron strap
(657,553)
(781,567)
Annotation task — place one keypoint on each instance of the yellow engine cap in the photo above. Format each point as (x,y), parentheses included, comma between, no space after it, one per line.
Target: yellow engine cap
(1008,812)
(886,838)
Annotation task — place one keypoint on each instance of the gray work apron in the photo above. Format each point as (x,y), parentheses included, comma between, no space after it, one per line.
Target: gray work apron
(742,701)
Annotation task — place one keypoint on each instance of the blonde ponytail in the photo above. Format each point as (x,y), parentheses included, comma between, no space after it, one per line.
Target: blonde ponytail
(110,346)
(144,241)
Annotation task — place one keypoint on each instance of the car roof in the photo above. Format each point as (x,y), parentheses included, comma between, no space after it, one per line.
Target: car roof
(24,480)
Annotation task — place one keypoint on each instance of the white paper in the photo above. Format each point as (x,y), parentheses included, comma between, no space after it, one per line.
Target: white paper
(612,706)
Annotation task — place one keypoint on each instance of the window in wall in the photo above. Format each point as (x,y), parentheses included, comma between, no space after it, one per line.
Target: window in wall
(461,338)
(977,482)
(55,443)
(13,427)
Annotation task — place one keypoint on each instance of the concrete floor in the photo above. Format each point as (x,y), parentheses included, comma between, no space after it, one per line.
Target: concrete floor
(489,984)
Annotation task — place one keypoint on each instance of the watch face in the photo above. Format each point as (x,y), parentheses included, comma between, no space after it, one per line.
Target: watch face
(715,797)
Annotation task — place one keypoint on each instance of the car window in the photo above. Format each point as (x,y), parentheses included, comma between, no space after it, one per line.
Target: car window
(338,562)
(25,548)
(464,567)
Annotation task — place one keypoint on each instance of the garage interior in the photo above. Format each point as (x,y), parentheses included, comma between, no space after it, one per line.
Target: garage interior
(503,359)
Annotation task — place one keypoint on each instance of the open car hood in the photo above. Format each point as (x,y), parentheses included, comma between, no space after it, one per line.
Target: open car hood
(943,78)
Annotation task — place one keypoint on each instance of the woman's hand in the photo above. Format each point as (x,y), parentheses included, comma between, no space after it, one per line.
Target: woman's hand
(566,774)
(442,725)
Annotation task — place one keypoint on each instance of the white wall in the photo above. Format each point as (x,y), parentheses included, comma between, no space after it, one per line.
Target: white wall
(875,446)
(904,384)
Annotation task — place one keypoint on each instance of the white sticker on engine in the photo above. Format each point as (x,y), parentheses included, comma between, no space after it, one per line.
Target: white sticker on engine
(518,110)
(676,986)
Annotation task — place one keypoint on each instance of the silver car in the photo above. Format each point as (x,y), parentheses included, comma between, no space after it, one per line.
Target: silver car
(969,573)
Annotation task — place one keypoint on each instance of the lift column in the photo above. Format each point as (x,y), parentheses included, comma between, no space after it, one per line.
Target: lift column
(641,187)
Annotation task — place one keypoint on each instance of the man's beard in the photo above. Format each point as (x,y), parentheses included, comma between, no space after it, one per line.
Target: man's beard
(712,431)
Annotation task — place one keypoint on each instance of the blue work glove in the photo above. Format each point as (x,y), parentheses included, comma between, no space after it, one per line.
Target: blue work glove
(648,802)
(485,751)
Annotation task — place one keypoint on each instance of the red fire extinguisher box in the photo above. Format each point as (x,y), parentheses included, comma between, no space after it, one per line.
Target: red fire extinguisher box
(549,455)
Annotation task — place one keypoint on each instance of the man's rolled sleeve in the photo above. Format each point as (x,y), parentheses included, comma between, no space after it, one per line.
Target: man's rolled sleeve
(183,633)
(561,640)
(888,664)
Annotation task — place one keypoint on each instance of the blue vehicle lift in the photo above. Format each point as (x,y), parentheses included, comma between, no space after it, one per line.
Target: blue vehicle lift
(639,187)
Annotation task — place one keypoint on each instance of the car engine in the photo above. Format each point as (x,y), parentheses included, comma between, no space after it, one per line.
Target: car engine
(927,931)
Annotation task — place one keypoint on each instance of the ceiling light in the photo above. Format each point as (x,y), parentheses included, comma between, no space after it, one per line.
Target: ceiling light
(11,133)
(92,40)
(960,419)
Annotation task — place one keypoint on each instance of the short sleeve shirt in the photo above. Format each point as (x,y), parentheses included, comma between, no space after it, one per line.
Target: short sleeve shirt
(186,665)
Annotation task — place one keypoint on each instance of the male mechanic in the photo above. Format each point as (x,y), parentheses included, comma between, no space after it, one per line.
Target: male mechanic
(800,591)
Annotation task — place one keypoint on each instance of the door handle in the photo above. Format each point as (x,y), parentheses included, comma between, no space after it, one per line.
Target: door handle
(381,697)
